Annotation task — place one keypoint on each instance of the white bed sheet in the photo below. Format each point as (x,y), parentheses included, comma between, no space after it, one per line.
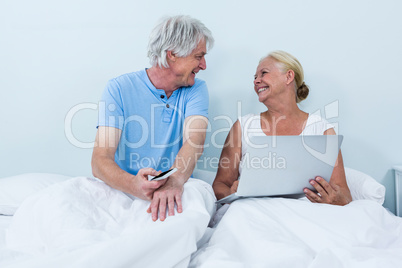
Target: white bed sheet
(7,256)
(278,232)
(49,229)
(255,233)
(4,223)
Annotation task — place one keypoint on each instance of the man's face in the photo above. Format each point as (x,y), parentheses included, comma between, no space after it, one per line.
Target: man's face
(185,68)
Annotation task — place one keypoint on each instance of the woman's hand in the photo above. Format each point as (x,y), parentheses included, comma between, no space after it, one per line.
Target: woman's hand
(327,193)
(233,189)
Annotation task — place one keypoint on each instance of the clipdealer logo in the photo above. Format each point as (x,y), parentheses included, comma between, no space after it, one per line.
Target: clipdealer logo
(331,111)
(147,131)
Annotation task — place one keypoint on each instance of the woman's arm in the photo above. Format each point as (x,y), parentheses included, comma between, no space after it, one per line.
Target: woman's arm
(335,192)
(225,182)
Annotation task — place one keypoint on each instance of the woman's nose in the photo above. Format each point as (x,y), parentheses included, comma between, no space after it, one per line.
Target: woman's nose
(257,80)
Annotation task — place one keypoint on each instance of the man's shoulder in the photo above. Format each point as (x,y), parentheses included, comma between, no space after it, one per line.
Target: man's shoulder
(199,82)
(199,85)
(129,77)
(126,83)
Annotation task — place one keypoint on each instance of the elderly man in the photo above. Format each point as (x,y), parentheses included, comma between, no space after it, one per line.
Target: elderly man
(156,118)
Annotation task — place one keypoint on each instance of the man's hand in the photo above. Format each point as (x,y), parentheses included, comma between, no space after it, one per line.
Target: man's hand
(145,189)
(166,197)
(169,195)
(326,193)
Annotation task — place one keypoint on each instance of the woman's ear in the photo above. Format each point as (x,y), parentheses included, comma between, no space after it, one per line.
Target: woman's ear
(290,76)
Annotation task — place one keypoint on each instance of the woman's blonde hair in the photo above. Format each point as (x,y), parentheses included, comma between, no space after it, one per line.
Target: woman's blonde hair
(289,62)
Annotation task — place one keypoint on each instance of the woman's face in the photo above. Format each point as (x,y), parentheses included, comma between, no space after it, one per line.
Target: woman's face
(269,80)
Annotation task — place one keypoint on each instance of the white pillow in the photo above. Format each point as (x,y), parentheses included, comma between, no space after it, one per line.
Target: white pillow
(14,190)
(361,185)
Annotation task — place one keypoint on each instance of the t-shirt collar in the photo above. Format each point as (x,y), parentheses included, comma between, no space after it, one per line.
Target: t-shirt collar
(155,90)
(150,85)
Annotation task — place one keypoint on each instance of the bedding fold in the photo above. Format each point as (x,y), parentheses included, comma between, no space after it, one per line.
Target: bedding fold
(83,222)
(279,232)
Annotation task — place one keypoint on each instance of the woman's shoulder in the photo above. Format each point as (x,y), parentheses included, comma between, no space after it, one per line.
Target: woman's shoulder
(250,123)
(316,125)
(243,119)
(314,118)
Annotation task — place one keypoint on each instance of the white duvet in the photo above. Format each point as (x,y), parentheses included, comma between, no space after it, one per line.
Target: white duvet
(278,232)
(84,223)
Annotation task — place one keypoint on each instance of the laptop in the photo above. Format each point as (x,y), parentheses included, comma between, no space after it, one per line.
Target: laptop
(282,166)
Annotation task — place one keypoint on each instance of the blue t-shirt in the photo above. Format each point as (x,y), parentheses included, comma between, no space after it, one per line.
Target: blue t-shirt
(151,124)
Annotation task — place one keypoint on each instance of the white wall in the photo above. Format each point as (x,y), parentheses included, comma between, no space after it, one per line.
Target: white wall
(55,55)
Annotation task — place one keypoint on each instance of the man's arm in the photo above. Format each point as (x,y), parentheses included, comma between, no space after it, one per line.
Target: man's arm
(105,168)
(193,145)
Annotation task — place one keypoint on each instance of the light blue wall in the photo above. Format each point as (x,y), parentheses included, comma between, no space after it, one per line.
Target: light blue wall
(55,55)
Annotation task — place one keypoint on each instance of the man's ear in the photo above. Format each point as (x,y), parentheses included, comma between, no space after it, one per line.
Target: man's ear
(290,76)
(171,56)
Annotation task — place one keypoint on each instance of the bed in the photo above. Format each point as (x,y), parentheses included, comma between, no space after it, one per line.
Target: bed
(263,232)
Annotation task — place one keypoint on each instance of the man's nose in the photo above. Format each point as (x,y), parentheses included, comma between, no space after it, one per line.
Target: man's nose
(203,64)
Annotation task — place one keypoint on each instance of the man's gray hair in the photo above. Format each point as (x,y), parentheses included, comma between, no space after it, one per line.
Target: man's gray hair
(179,34)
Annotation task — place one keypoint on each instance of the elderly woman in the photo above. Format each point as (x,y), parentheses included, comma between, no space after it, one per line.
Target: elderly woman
(279,85)
(286,232)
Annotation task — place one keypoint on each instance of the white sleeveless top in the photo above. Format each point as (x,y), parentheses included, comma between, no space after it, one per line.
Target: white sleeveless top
(251,126)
